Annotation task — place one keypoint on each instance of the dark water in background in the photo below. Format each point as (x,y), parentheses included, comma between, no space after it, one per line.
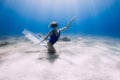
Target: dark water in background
(93,17)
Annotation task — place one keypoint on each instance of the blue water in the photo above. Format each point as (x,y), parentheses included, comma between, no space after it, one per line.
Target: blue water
(94,17)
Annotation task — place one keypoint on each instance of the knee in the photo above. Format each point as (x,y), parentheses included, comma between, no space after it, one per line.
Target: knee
(51,48)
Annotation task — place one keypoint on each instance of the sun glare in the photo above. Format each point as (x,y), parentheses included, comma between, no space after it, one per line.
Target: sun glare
(59,8)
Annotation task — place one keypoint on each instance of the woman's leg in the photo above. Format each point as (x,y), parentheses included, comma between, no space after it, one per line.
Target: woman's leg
(51,48)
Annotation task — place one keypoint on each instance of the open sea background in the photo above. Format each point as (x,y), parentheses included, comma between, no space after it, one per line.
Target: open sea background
(88,50)
(93,17)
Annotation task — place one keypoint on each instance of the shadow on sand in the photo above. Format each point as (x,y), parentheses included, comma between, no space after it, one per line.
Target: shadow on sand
(51,57)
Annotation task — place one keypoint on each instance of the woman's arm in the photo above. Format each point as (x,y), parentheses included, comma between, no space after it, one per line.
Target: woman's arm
(69,23)
(47,36)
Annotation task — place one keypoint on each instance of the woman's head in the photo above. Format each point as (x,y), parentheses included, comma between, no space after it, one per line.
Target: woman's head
(53,24)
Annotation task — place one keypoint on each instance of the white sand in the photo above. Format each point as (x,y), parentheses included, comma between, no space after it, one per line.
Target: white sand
(87,58)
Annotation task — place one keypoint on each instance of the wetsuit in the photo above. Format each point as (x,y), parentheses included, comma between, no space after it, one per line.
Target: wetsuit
(53,37)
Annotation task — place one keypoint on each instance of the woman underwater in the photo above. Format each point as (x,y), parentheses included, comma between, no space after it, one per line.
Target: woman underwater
(54,35)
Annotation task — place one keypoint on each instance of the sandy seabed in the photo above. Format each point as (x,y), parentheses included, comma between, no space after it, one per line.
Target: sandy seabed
(85,58)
